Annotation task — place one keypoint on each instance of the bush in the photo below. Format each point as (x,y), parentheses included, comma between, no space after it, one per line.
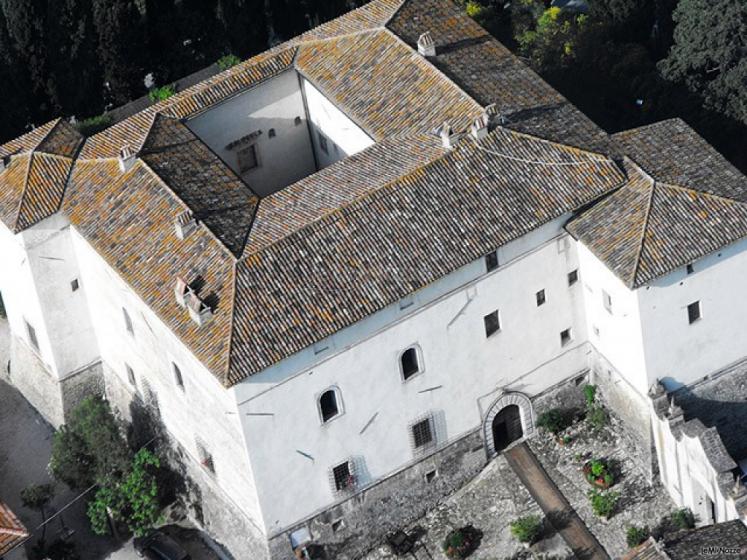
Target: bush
(228,61)
(460,543)
(554,420)
(683,518)
(597,417)
(636,535)
(526,529)
(603,503)
(590,393)
(598,473)
(92,125)
(161,93)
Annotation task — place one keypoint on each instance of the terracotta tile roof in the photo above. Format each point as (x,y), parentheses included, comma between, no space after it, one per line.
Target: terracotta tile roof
(12,531)
(214,193)
(651,227)
(38,165)
(384,86)
(490,73)
(401,237)
(691,544)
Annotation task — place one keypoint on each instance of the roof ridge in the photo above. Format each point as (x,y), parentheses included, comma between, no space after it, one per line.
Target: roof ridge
(51,129)
(226,381)
(644,227)
(667,184)
(25,190)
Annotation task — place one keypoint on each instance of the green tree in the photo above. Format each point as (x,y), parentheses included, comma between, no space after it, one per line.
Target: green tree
(245,25)
(710,53)
(551,41)
(15,114)
(37,497)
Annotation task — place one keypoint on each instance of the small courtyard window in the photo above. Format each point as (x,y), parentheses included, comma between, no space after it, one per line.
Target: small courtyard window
(74,285)
(572,277)
(130,375)
(247,158)
(690,268)
(342,477)
(128,322)
(178,379)
(540,297)
(410,363)
(422,434)
(492,323)
(693,312)
(329,406)
(323,143)
(607,301)
(491,261)
(32,336)
(565,337)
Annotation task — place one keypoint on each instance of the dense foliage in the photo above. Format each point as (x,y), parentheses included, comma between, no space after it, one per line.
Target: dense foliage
(527,529)
(636,535)
(81,57)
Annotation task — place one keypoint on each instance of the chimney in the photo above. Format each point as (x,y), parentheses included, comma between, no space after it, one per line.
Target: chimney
(479,127)
(448,138)
(426,46)
(198,311)
(181,291)
(185,224)
(126,158)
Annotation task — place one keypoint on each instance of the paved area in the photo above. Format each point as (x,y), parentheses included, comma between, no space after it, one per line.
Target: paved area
(556,508)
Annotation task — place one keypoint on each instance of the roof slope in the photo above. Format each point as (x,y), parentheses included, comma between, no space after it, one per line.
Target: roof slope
(12,531)
(401,237)
(37,167)
(651,227)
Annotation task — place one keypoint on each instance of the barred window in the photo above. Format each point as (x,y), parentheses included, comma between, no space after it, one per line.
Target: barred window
(422,434)
(342,476)
(491,261)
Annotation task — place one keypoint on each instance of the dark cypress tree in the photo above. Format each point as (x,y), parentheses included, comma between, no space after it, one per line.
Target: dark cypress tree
(245,25)
(120,42)
(15,114)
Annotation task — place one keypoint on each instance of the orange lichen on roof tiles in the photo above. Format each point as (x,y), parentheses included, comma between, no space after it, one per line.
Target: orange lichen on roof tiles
(12,531)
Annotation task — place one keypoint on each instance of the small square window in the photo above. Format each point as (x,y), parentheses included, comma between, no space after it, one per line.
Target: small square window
(430,476)
(693,312)
(565,337)
(540,297)
(422,434)
(130,375)
(607,301)
(247,158)
(690,268)
(74,285)
(343,477)
(492,323)
(572,277)
(32,336)
(297,121)
(271,133)
(491,261)
(323,143)
(337,524)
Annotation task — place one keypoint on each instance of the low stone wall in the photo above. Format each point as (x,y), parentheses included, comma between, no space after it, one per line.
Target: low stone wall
(354,526)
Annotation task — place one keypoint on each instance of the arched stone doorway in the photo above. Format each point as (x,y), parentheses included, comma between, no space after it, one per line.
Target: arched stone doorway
(509,418)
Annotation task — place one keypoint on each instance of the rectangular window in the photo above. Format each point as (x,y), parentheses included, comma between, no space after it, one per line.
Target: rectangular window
(247,158)
(607,301)
(422,434)
(74,285)
(178,379)
(32,336)
(342,477)
(540,297)
(323,143)
(492,323)
(690,268)
(572,277)
(565,337)
(491,261)
(130,375)
(693,312)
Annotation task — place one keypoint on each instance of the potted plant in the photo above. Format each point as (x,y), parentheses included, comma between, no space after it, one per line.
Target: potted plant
(527,529)
(461,542)
(597,473)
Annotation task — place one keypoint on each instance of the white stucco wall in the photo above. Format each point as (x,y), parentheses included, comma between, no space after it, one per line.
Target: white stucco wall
(273,104)
(463,369)
(344,137)
(204,410)
(679,353)
(616,333)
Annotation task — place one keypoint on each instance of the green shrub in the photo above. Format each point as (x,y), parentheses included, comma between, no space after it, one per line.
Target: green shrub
(603,503)
(636,535)
(554,420)
(598,467)
(683,518)
(228,61)
(92,125)
(597,417)
(526,529)
(590,393)
(161,93)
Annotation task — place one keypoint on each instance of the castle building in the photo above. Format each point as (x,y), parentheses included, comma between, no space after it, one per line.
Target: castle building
(341,271)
